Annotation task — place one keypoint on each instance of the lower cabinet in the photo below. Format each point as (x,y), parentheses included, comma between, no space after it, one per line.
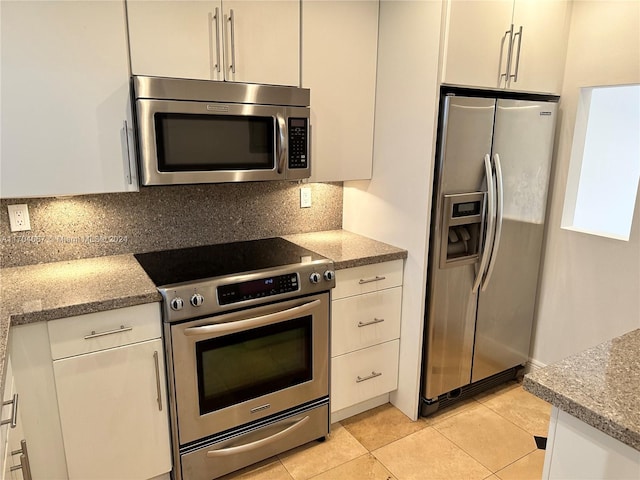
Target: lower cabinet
(95,399)
(365,331)
(113,412)
(14,454)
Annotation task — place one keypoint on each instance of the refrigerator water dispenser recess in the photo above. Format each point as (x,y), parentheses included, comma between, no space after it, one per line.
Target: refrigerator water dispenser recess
(462,229)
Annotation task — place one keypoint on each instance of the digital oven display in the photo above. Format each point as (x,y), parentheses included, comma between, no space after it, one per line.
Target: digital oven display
(263,287)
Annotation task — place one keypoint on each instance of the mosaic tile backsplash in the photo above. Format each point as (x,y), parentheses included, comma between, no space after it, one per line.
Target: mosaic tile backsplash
(157,218)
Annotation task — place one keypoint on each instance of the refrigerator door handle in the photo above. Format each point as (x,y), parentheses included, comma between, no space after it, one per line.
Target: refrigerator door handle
(490,222)
(499,214)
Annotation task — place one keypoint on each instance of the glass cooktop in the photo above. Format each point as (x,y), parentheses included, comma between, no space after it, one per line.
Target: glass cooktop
(196,263)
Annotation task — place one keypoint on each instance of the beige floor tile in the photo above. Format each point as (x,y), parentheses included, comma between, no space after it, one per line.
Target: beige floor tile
(365,467)
(316,457)
(449,411)
(489,438)
(527,468)
(525,410)
(497,391)
(381,426)
(270,469)
(428,455)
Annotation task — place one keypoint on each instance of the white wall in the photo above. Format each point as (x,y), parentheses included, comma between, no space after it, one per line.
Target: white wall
(394,205)
(590,288)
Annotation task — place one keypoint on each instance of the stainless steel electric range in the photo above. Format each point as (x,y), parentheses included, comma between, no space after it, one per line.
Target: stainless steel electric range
(246,331)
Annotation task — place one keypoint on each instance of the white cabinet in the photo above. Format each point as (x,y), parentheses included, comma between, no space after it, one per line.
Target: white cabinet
(234,40)
(95,400)
(65,99)
(365,331)
(515,44)
(339,58)
(113,396)
(14,453)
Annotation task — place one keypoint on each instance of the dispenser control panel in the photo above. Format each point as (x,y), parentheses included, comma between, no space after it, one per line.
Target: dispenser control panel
(462,229)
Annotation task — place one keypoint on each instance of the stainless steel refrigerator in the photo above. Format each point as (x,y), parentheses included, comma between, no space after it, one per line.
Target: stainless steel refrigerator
(493,161)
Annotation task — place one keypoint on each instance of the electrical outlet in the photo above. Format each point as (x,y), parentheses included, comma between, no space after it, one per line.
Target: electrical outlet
(19,218)
(305,197)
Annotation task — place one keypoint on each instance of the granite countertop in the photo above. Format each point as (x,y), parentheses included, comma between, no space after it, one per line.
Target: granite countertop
(600,386)
(49,291)
(42,292)
(347,249)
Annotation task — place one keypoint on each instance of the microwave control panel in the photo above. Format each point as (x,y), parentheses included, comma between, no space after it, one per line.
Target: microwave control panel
(298,154)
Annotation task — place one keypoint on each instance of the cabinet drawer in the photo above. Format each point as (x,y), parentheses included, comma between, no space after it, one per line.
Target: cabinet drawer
(101,330)
(367,278)
(365,374)
(365,320)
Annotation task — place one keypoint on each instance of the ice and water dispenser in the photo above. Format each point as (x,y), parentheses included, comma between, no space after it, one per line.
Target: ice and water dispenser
(462,229)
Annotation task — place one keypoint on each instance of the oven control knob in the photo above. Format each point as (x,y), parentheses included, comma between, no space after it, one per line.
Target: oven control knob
(176,303)
(315,277)
(197,300)
(329,275)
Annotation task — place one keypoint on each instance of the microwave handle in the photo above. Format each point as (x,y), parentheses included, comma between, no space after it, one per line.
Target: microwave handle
(281,142)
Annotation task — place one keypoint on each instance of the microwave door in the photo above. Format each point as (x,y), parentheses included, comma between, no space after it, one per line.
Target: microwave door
(184,142)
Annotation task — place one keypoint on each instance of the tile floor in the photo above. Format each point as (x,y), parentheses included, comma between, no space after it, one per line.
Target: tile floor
(490,436)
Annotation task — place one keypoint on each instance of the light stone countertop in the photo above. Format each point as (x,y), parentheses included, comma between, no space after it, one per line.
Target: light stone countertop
(347,249)
(49,291)
(600,386)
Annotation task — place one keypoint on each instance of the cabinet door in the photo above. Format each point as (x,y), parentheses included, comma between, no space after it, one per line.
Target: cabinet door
(65,97)
(112,423)
(545,30)
(262,41)
(175,38)
(339,52)
(475,43)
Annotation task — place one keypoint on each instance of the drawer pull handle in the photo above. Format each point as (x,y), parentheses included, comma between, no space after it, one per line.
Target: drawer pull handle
(368,377)
(24,461)
(13,421)
(369,280)
(372,322)
(122,329)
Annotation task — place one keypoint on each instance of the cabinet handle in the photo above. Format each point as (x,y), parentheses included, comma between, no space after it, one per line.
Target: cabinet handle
(126,145)
(233,42)
(122,329)
(370,280)
(158,389)
(368,377)
(507,72)
(216,18)
(13,421)
(372,322)
(519,35)
(24,461)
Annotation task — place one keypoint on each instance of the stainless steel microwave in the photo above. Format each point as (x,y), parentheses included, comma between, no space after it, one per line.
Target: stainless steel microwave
(202,131)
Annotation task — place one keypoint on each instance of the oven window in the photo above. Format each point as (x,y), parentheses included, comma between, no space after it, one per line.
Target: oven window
(196,142)
(245,365)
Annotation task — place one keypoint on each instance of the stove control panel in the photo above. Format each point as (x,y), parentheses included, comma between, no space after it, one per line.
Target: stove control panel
(211,296)
(262,287)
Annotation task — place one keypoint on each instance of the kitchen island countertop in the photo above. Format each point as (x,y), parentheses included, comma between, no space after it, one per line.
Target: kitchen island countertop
(600,387)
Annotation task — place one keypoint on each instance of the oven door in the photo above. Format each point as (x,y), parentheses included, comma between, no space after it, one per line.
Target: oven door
(207,142)
(232,369)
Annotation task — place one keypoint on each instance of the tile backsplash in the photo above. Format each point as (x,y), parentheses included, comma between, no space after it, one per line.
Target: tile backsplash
(159,218)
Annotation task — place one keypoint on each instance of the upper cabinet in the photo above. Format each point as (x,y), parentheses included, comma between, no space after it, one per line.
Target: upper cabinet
(65,99)
(339,51)
(514,44)
(237,41)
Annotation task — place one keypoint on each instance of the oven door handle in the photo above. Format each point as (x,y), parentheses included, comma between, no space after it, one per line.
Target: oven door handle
(237,326)
(225,452)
